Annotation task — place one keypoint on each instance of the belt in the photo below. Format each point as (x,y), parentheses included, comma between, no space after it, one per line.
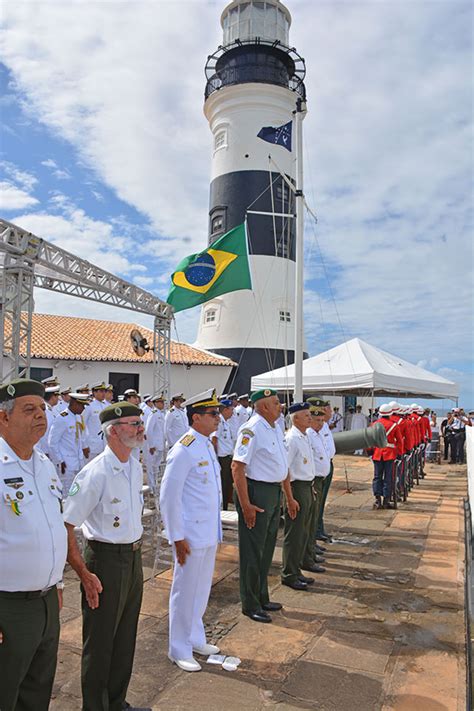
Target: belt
(114,547)
(26,595)
(267,483)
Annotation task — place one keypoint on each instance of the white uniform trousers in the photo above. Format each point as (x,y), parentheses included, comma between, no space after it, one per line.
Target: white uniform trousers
(153,462)
(189,596)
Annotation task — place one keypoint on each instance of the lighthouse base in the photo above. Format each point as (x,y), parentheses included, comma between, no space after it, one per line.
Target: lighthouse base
(252,361)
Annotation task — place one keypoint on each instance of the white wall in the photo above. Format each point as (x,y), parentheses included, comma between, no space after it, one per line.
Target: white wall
(190,381)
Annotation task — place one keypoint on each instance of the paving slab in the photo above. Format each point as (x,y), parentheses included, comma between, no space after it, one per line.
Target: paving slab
(351,650)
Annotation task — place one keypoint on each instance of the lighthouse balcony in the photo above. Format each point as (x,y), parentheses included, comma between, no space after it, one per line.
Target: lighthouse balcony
(255,61)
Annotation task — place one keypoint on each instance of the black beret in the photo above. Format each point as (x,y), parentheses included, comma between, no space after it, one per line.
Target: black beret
(118,410)
(19,388)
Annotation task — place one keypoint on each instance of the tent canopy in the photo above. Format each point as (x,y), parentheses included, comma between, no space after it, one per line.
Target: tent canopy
(357,368)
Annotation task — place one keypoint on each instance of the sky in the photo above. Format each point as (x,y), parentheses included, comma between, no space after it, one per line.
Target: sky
(105,151)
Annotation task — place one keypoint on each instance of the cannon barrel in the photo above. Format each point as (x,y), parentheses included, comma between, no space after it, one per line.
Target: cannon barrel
(360,439)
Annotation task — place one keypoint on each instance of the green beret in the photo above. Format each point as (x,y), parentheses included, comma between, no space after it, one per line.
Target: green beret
(317,401)
(19,388)
(118,410)
(268,392)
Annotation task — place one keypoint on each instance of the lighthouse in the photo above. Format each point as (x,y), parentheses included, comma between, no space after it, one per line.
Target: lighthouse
(254,80)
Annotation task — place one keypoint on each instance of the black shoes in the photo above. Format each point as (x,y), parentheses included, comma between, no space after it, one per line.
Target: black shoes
(304,579)
(272,606)
(295,584)
(258,616)
(324,537)
(319,559)
(387,504)
(319,549)
(314,568)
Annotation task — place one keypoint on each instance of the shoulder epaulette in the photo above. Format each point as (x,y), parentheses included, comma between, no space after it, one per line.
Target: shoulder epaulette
(187,440)
(63,413)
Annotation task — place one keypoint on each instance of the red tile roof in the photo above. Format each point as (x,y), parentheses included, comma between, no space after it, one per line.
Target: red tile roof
(71,338)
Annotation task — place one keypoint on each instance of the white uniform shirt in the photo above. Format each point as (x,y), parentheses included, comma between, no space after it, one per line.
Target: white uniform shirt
(106,499)
(321,458)
(176,425)
(281,422)
(337,420)
(65,440)
(147,411)
(225,440)
(51,414)
(93,435)
(328,440)
(155,430)
(190,495)
(300,455)
(262,449)
(242,414)
(358,421)
(33,542)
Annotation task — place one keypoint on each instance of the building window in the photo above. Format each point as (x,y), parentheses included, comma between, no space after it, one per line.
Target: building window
(40,374)
(217,222)
(220,140)
(285,316)
(210,316)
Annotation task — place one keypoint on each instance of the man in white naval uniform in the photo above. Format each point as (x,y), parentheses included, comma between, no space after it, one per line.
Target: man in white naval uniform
(94,439)
(106,500)
(242,410)
(51,397)
(155,440)
(359,422)
(176,421)
(32,552)
(336,423)
(190,502)
(66,440)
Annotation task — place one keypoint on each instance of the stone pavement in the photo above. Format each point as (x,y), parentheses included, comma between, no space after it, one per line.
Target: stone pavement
(382,629)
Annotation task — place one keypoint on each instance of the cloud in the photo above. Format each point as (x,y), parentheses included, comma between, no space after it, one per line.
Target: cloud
(25,180)
(58,172)
(387,150)
(14,198)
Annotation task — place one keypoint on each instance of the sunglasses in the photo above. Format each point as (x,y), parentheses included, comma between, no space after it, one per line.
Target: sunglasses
(212,413)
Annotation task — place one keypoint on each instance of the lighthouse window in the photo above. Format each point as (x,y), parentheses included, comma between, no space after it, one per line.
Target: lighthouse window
(217,224)
(285,316)
(210,316)
(220,140)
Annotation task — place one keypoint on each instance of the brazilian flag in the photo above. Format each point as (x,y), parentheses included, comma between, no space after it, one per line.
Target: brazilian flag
(219,269)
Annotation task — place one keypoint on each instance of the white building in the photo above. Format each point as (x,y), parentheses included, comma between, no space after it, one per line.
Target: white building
(83,351)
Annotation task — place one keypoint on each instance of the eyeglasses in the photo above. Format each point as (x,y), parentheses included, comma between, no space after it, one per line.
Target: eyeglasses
(131,424)
(212,413)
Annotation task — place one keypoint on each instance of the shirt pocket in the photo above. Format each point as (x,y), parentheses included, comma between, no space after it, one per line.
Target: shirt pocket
(115,514)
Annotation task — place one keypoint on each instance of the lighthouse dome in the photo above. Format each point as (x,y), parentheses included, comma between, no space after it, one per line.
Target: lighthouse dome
(244,20)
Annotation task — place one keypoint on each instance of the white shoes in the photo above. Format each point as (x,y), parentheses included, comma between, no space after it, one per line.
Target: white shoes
(187,665)
(207,649)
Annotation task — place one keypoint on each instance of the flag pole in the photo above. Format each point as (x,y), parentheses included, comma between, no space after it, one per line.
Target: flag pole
(299,283)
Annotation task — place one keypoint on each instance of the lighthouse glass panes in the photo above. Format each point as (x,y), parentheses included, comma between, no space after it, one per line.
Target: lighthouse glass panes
(256,19)
(220,141)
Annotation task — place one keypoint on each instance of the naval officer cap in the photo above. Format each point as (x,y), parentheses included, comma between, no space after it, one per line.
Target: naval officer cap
(19,388)
(202,401)
(118,411)
(99,386)
(243,397)
(179,396)
(51,380)
(80,397)
(317,401)
(159,397)
(260,394)
(298,407)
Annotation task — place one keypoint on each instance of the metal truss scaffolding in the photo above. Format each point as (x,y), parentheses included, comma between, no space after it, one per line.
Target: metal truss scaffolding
(30,261)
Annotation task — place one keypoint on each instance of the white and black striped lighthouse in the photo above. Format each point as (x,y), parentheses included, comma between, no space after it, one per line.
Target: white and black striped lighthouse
(253,80)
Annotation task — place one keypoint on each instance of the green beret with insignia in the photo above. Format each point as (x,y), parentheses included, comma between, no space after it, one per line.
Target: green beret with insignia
(267,392)
(118,410)
(19,388)
(317,401)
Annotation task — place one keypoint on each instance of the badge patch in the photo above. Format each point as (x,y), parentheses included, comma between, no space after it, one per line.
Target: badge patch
(11,390)
(74,489)
(247,432)
(203,464)
(15,482)
(115,500)
(118,411)
(245,440)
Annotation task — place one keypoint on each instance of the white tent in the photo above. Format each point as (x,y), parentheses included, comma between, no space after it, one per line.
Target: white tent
(357,368)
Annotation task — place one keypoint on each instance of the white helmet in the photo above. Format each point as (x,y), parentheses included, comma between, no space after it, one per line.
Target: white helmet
(385,410)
